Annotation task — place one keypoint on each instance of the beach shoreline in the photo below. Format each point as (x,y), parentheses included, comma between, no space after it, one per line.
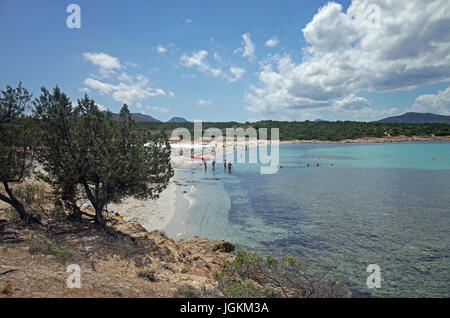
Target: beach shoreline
(370,140)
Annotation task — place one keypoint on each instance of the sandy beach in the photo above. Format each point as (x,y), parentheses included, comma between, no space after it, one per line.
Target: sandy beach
(151,214)
(157,214)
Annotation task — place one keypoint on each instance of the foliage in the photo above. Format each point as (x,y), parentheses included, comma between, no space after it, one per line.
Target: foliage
(34,197)
(325,131)
(17,145)
(250,275)
(187,291)
(86,154)
(42,245)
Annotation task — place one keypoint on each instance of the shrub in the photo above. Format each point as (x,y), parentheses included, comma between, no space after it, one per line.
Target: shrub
(147,274)
(250,276)
(41,245)
(7,288)
(187,291)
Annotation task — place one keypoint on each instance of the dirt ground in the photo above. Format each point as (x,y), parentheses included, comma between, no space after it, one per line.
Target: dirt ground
(125,261)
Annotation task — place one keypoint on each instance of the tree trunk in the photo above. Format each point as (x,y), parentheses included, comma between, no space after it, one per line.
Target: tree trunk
(97,204)
(12,200)
(99,217)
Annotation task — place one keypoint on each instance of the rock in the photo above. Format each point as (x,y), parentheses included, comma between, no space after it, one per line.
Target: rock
(142,261)
(223,246)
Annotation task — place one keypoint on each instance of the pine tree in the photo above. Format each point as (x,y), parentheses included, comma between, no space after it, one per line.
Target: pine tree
(87,154)
(17,145)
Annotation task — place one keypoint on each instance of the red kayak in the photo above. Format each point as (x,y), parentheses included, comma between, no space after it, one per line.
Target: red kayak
(199,157)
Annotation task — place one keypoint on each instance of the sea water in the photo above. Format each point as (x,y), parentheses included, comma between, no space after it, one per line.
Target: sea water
(384,204)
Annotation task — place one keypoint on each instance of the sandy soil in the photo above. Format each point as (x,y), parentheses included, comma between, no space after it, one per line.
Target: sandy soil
(151,214)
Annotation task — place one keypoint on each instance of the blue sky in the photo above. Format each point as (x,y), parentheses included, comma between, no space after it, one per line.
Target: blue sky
(213,60)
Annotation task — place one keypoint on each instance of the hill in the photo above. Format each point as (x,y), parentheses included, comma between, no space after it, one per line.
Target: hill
(416,118)
(177,120)
(141,118)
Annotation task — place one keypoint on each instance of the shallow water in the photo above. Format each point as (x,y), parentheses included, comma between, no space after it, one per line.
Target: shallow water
(385,204)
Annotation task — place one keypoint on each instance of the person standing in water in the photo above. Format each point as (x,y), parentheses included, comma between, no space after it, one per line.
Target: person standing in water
(214,165)
(229,166)
(225,164)
(204,163)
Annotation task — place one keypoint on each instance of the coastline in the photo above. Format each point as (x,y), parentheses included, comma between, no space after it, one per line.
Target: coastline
(370,140)
(162,213)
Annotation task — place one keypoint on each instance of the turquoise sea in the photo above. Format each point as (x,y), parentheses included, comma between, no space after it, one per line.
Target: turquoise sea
(385,204)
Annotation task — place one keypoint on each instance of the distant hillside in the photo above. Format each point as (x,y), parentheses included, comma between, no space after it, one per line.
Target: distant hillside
(177,120)
(320,120)
(416,118)
(142,118)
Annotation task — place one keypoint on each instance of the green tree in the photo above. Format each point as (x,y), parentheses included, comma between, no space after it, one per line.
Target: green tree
(88,154)
(17,145)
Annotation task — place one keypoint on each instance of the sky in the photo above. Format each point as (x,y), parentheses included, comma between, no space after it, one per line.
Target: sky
(235,60)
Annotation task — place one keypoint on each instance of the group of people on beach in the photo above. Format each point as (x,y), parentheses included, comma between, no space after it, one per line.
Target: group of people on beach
(230,166)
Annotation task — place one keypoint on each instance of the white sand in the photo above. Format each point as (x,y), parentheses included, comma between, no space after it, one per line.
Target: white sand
(151,214)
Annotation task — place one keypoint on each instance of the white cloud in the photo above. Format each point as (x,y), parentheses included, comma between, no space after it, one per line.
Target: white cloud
(161,49)
(248,47)
(272,42)
(204,102)
(107,64)
(124,77)
(84,90)
(137,89)
(199,61)
(438,103)
(171,94)
(236,74)
(188,21)
(131,64)
(103,88)
(158,109)
(101,107)
(405,46)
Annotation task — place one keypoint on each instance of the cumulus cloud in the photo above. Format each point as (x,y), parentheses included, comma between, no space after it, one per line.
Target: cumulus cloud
(438,103)
(236,74)
(199,61)
(376,46)
(107,64)
(204,102)
(248,47)
(272,42)
(135,90)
